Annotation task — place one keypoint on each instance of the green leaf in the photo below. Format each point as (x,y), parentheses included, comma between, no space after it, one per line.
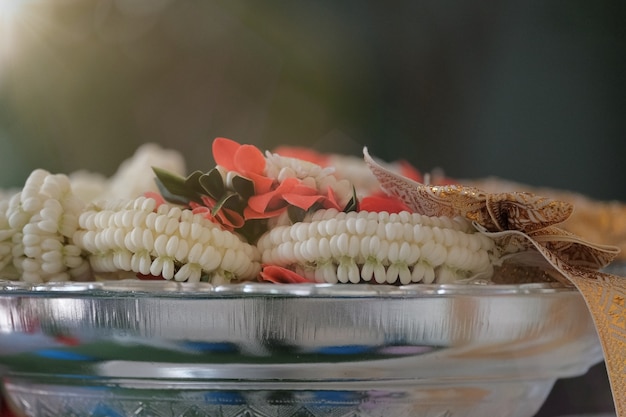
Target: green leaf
(253,229)
(192,182)
(212,184)
(243,186)
(225,201)
(169,197)
(172,187)
(296,214)
(353,204)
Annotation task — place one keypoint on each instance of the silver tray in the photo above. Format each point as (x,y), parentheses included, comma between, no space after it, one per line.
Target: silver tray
(132,348)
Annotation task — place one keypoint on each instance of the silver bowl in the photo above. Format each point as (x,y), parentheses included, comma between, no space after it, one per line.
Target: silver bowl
(158,348)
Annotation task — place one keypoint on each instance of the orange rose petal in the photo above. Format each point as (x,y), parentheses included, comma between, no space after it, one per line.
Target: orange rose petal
(304,190)
(224,151)
(302,153)
(262,184)
(230,218)
(331,201)
(302,201)
(208,201)
(261,202)
(280,275)
(409,171)
(288,184)
(382,203)
(250,214)
(204,211)
(249,159)
(148,277)
(197,208)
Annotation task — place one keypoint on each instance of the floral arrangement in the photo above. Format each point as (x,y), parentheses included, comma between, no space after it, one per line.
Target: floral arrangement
(296,216)
(247,192)
(286,216)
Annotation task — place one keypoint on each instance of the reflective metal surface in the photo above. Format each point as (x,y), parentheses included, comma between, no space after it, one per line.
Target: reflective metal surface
(117,348)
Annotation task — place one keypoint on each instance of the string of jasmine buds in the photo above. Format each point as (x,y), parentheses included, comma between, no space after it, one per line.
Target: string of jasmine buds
(36,226)
(6,241)
(331,246)
(136,235)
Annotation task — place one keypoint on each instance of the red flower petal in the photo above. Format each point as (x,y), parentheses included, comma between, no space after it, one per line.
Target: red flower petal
(302,189)
(206,213)
(262,184)
(378,203)
(409,171)
(262,202)
(249,159)
(250,214)
(197,208)
(280,275)
(331,201)
(5,411)
(302,153)
(302,201)
(67,340)
(230,219)
(149,277)
(227,218)
(224,151)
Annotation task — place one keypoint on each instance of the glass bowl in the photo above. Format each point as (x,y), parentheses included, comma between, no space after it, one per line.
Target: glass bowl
(159,348)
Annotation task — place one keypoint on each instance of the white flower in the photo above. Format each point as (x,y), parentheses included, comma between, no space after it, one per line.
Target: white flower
(171,242)
(36,225)
(331,246)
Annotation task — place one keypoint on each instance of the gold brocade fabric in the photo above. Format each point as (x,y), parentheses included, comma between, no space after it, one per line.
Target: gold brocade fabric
(596,221)
(521,222)
(605,298)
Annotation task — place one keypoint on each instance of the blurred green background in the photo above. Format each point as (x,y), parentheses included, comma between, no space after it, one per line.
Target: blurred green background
(530,91)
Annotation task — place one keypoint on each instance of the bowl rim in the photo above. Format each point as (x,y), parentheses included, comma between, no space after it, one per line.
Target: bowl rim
(158,288)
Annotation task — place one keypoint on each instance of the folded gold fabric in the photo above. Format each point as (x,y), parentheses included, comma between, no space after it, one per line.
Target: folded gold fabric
(523,223)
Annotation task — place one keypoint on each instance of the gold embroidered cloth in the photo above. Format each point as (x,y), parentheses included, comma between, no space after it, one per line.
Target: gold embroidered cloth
(523,223)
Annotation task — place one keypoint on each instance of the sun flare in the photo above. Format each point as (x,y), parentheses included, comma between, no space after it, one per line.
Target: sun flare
(10,11)
(15,17)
